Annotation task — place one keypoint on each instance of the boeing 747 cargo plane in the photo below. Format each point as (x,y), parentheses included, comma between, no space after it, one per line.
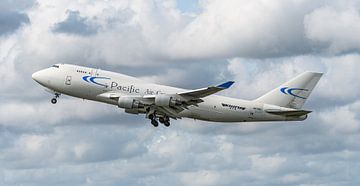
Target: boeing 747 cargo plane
(161,103)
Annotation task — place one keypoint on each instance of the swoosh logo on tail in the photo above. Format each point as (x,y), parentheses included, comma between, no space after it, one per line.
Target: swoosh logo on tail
(290,91)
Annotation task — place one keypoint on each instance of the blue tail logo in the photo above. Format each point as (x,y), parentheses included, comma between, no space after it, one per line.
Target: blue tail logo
(92,80)
(290,91)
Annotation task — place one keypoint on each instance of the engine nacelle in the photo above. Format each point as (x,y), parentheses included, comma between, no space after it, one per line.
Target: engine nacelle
(129,103)
(166,100)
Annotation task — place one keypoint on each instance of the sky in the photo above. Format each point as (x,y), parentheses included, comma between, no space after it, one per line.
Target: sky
(189,44)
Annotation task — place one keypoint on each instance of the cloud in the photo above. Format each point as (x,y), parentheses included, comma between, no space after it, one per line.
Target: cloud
(12,16)
(259,44)
(201,178)
(335,28)
(17,5)
(342,119)
(255,29)
(146,33)
(11,21)
(267,164)
(75,24)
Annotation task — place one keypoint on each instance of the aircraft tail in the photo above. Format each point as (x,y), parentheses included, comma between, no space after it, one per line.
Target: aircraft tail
(293,93)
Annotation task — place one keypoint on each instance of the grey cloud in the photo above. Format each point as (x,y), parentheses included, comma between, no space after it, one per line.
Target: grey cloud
(10,21)
(17,5)
(73,148)
(185,75)
(144,34)
(88,143)
(76,24)
(13,16)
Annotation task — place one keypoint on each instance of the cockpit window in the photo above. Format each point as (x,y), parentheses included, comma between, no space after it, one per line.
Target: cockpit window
(56,66)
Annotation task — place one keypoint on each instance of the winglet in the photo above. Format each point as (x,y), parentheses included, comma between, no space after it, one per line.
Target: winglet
(226,85)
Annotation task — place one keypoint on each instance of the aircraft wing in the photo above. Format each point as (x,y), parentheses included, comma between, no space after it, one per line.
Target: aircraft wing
(180,101)
(175,103)
(197,93)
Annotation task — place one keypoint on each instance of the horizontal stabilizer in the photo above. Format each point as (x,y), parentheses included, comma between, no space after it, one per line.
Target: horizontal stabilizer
(289,112)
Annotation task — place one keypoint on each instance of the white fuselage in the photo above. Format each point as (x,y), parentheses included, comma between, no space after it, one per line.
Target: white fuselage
(76,81)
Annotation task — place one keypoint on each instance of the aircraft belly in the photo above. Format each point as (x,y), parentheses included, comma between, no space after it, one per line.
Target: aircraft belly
(203,114)
(215,114)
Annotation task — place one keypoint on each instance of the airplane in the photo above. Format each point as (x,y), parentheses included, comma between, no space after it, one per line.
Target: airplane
(161,103)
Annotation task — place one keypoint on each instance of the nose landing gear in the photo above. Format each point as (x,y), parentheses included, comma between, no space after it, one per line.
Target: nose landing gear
(54,100)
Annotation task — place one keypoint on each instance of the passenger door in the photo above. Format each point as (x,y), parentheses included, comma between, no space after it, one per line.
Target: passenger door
(68,80)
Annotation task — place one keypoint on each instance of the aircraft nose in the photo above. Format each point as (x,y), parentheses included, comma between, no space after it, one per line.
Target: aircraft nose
(36,76)
(39,77)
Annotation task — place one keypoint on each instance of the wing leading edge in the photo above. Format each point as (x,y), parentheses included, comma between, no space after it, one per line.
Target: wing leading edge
(203,92)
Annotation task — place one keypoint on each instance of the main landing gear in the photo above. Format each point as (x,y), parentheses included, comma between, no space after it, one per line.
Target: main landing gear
(154,122)
(54,100)
(164,120)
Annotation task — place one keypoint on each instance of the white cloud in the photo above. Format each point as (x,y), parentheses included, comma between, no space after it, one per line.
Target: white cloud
(81,149)
(201,178)
(244,28)
(269,164)
(337,28)
(44,144)
(294,178)
(9,51)
(342,119)
(43,113)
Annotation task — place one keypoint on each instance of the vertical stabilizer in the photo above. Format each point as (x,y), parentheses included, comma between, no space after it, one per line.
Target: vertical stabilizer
(293,93)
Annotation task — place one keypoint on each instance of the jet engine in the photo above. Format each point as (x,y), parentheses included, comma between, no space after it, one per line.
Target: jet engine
(166,100)
(129,103)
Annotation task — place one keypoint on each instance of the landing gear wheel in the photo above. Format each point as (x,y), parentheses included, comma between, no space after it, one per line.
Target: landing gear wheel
(53,100)
(151,116)
(154,123)
(167,123)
